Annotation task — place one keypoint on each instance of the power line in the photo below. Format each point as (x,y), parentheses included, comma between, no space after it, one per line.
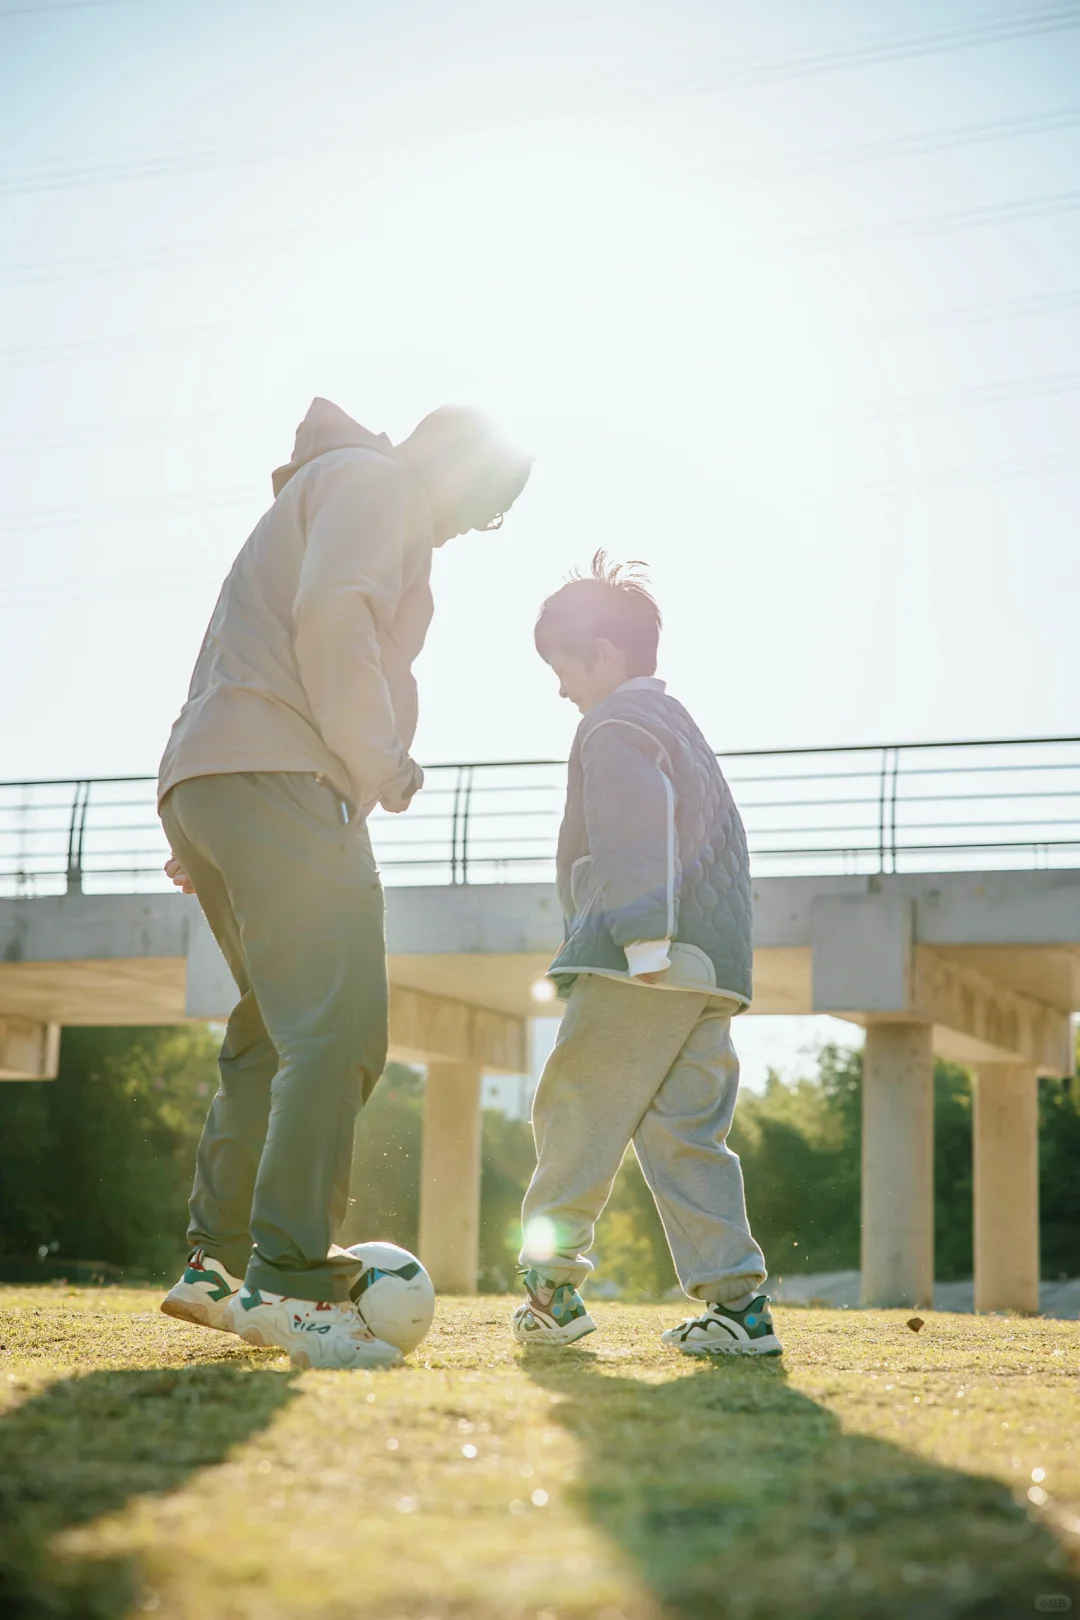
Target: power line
(24,443)
(988,473)
(59,5)
(957,219)
(73,349)
(1009,27)
(210,158)
(105,511)
(221,499)
(1017,26)
(1020,388)
(931,320)
(66,592)
(1018,209)
(900,146)
(1034,304)
(31,273)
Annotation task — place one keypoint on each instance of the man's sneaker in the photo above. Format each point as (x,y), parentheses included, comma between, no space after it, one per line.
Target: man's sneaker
(316,1333)
(724,1332)
(203,1293)
(554,1313)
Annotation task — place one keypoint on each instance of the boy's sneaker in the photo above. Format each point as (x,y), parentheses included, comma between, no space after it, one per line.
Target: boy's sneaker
(554,1313)
(315,1333)
(203,1293)
(724,1332)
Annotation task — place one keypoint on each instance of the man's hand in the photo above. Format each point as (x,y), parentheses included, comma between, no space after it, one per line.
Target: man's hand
(176,872)
(400,794)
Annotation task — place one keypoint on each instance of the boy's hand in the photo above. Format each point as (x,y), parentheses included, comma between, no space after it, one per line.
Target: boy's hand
(648,959)
(176,872)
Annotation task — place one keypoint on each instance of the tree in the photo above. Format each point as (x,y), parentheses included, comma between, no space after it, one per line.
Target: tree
(97,1163)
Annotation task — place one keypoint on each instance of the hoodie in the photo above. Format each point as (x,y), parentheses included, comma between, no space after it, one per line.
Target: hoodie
(306,664)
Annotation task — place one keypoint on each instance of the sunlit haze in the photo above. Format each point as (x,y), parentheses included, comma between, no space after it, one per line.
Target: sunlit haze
(781,304)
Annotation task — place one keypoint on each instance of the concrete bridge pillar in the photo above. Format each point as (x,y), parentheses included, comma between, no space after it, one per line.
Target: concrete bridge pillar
(28,1050)
(898,1165)
(450,1176)
(1005,1141)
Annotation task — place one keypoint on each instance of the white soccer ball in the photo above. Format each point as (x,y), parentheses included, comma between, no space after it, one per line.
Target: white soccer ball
(393,1293)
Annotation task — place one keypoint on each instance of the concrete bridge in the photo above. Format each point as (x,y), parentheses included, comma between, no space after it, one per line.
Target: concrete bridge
(979,965)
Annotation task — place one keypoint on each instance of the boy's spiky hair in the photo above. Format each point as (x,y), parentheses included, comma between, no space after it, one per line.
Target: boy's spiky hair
(612,603)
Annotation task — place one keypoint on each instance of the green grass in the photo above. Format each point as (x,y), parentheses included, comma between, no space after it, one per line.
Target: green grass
(147,1467)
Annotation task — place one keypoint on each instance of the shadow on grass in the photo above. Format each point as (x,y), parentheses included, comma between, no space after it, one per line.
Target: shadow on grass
(738,1498)
(89,1444)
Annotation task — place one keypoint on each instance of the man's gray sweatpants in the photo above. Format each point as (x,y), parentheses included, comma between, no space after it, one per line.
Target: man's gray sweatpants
(292,895)
(655,1067)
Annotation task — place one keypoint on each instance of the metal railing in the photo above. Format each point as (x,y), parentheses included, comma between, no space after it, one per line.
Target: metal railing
(862,809)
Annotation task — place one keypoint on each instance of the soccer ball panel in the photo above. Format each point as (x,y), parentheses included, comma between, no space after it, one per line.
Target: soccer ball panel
(393,1293)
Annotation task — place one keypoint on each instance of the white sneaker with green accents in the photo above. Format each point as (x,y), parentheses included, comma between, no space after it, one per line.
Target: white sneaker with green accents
(202,1294)
(552,1313)
(720,1331)
(315,1333)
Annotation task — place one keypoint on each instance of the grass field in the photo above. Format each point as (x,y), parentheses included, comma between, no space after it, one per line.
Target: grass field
(151,1468)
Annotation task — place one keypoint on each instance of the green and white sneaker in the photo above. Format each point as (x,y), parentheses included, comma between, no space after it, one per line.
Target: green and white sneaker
(724,1332)
(315,1333)
(554,1313)
(202,1294)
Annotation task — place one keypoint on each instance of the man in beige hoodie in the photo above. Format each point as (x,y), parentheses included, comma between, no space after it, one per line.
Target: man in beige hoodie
(299,720)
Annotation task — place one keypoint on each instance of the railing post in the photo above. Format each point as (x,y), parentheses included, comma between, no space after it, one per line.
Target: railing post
(76,835)
(454,826)
(468,787)
(881,808)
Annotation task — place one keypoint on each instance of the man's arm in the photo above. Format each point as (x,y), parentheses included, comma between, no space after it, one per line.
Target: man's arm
(630,816)
(401,644)
(349,586)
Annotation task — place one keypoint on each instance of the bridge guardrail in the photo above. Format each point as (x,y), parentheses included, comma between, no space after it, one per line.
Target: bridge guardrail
(1013,802)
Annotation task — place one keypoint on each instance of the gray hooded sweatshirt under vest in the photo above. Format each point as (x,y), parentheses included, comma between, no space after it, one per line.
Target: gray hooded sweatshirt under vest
(652,847)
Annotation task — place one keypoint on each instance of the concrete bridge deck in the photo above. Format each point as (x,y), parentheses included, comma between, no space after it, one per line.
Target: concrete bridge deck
(991,960)
(982,966)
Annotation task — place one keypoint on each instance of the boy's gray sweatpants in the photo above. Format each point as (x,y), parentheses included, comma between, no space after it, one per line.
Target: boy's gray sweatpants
(655,1067)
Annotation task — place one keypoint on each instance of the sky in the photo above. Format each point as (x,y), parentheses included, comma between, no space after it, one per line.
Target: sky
(783,299)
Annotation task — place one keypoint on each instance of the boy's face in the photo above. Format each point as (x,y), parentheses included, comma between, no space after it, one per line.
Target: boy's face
(587,685)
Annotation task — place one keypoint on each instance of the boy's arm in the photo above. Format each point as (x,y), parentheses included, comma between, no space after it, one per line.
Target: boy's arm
(349,584)
(630,817)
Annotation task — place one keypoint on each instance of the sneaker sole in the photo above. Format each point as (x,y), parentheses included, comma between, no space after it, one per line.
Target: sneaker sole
(768,1346)
(197,1312)
(301,1358)
(567,1335)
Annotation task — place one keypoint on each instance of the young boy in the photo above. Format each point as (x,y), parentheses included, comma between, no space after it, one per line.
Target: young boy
(654,881)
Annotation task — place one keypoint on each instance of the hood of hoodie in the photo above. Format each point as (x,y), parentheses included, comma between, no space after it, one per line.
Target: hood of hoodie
(326,427)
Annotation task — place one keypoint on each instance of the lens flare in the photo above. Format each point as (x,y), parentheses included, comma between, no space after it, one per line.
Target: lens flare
(540,1240)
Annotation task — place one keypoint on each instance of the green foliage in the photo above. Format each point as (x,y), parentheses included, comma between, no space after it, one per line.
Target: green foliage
(1059,1177)
(631,1249)
(953,1175)
(800,1148)
(98,1161)
(509,1161)
(385,1192)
